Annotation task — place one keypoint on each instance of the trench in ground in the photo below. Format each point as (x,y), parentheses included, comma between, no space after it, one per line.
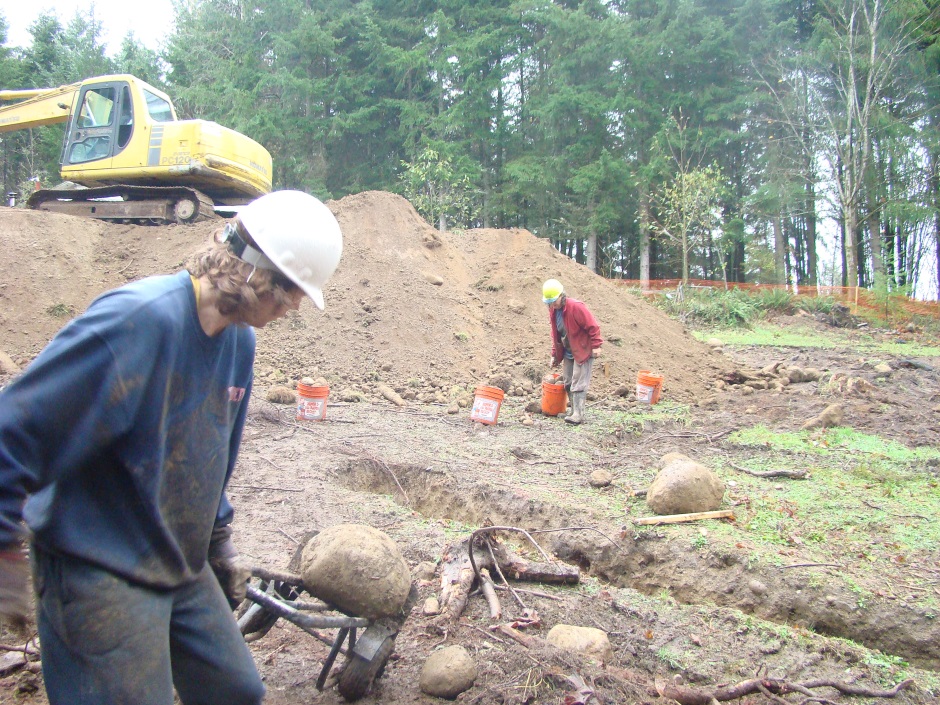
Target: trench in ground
(650,563)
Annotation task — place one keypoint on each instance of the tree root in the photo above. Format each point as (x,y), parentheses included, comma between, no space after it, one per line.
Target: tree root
(771,688)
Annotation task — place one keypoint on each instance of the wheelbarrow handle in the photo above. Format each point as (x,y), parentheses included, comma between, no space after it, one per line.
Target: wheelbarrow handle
(302,620)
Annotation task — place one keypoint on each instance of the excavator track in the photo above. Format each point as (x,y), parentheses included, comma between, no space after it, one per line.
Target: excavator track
(128,204)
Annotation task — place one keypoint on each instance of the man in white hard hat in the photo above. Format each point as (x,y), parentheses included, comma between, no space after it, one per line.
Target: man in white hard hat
(116,446)
(576,341)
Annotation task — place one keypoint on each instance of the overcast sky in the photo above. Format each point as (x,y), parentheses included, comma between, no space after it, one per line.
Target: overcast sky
(149,20)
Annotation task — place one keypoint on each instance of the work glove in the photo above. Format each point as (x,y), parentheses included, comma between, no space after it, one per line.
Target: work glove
(14,586)
(231,573)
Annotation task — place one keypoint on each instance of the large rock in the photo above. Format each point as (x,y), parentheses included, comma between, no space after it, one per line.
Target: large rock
(684,486)
(448,672)
(357,568)
(587,641)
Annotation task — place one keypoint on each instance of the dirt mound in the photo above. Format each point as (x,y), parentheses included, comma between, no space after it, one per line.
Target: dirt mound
(408,306)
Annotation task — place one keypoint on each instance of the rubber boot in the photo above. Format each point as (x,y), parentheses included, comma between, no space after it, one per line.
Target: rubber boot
(577,406)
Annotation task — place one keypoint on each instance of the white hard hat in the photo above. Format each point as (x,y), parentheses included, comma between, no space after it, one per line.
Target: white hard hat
(297,235)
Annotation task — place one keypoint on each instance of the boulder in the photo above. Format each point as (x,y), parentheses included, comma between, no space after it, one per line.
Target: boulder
(587,641)
(684,486)
(600,478)
(357,568)
(448,672)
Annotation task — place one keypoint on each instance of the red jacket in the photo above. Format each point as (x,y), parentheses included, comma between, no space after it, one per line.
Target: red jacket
(584,335)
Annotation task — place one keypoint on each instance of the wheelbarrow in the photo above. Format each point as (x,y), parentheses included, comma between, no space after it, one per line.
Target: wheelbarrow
(366,644)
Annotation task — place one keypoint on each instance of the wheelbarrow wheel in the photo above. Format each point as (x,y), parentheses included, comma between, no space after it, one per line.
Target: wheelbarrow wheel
(359,674)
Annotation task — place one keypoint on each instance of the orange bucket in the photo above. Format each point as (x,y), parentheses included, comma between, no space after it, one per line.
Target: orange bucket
(312,403)
(486,403)
(648,387)
(554,398)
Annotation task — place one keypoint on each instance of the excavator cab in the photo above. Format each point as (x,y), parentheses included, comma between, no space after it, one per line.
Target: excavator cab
(104,121)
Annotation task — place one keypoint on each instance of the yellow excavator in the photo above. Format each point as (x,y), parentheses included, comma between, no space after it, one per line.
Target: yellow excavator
(131,159)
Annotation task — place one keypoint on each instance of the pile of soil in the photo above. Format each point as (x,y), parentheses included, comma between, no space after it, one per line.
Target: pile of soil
(409,306)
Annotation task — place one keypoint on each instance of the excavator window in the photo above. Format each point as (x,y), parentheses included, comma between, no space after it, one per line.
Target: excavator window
(126,121)
(97,107)
(159,109)
(92,138)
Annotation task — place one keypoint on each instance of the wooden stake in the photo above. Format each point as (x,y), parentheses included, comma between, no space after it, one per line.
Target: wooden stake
(680,518)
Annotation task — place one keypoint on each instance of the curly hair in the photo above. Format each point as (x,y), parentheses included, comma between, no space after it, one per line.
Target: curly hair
(240,285)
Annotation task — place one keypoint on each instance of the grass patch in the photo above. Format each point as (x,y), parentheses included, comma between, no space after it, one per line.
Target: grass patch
(61,310)
(664,411)
(802,337)
(769,336)
(866,498)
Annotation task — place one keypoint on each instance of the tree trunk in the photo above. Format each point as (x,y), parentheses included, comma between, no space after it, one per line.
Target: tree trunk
(590,254)
(645,237)
(685,257)
(851,244)
(877,246)
(780,247)
(809,205)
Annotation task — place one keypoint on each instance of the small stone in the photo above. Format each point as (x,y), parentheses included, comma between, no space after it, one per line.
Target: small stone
(883,370)
(746,391)
(600,478)
(425,570)
(830,417)
(448,672)
(281,395)
(7,365)
(757,587)
(588,641)
(431,607)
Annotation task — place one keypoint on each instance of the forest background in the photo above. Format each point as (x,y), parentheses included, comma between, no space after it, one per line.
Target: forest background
(772,141)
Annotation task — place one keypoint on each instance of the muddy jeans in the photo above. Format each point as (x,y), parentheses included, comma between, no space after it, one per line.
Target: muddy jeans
(577,376)
(106,641)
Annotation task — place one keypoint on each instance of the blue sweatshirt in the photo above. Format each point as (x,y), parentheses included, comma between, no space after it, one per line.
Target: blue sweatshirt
(121,435)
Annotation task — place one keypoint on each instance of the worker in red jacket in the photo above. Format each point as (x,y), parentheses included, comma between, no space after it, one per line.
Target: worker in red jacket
(576,341)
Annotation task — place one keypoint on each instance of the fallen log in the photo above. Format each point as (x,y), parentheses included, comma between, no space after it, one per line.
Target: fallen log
(518,568)
(489,592)
(457,577)
(463,568)
(680,518)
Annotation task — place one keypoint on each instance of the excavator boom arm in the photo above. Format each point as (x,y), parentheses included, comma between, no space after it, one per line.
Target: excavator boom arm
(36,107)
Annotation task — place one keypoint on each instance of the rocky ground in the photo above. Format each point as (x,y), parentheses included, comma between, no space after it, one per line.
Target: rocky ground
(429,316)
